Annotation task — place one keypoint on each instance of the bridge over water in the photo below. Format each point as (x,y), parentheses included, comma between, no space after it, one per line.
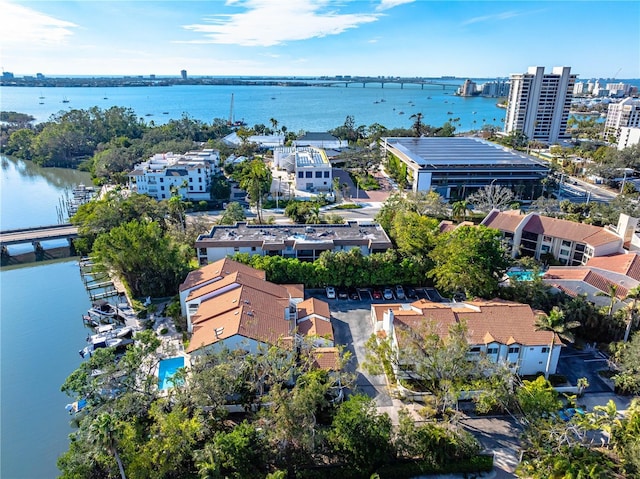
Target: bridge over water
(382,81)
(37,234)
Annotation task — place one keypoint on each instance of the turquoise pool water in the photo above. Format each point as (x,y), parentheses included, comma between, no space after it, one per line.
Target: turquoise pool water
(167,369)
(523,275)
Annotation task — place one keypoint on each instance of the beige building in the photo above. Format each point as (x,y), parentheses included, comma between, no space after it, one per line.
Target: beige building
(539,103)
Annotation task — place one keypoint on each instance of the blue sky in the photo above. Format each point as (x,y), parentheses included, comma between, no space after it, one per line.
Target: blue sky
(319,37)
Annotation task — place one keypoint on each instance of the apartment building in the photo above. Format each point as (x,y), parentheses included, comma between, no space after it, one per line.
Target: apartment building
(310,166)
(539,103)
(189,175)
(628,137)
(625,113)
(503,331)
(305,242)
(570,243)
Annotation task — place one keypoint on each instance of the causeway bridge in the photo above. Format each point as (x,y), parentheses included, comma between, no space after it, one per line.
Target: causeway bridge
(37,234)
(385,81)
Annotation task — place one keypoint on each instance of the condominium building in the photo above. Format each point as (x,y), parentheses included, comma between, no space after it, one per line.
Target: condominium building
(310,166)
(495,89)
(628,137)
(305,242)
(625,113)
(189,175)
(539,103)
(468,88)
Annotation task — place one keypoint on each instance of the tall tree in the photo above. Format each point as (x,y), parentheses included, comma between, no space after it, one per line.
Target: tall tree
(492,197)
(103,432)
(256,180)
(556,323)
(470,259)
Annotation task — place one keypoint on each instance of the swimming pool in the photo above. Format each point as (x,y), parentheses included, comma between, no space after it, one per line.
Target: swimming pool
(524,275)
(167,369)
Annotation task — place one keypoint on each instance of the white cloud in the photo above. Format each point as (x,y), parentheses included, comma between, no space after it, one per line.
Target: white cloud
(496,16)
(387,4)
(26,27)
(274,22)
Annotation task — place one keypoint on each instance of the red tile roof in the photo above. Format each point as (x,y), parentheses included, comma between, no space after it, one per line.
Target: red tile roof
(313,306)
(503,220)
(585,274)
(218,269)
(569,230)
(487,321)
(326,358)
(627,264)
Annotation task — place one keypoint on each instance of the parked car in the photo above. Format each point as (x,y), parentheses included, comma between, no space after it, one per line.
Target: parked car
(400,292)
(376,294)
(353,294)
(387,293)
(331,292)
(342,293)
(411,293)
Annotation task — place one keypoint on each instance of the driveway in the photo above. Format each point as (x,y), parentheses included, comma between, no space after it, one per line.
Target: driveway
(575,364)
(352,328)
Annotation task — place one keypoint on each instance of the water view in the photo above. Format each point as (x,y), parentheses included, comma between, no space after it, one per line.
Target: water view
(41,328)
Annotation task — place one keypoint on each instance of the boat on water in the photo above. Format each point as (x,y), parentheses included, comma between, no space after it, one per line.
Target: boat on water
(107,336)
(117,343)
(400,113)
(76,406)
(65,100)
(103,309)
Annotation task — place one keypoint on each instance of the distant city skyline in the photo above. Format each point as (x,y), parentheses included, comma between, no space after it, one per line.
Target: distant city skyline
(475,39)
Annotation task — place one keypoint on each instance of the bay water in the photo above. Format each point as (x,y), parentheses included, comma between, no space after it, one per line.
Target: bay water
(307,108)
(41,329)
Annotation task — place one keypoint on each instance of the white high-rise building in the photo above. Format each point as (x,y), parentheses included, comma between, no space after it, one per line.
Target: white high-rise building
(539,103)
(625,113)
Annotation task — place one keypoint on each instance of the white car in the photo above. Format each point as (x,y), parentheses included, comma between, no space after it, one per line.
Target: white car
(331,292)
(387,293)
(400,292)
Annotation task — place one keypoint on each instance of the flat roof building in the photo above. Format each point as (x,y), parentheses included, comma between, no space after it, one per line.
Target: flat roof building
(458,166)
(311,167)
(305,242)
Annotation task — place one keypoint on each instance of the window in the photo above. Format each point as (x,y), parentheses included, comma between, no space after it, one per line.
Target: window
(327,174)
(308,174)
(253,248)
(566,243)
(544,350)
(475,349)
(514,349)
(236,249)
(200,179)
(203,250)
(190,188)
(493,350)
(161,180)
(318,174)
(162,188)
(300,174)
(190,180)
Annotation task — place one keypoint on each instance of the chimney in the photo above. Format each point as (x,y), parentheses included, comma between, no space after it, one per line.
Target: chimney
(387,322)
(626,227)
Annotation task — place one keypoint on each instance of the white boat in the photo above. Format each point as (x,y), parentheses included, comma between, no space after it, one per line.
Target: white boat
(104,343)
(103,309)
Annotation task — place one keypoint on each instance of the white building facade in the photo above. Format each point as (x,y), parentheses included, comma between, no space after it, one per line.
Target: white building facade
(625,113)
(310,166)
(189,175)
(628,137)
(539,103)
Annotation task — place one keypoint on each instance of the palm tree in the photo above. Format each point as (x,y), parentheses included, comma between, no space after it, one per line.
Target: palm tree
(611,294)
(556,323)
(314,215)
(632,310)
(274,123)
(417,124)
(459,209)
(102,432)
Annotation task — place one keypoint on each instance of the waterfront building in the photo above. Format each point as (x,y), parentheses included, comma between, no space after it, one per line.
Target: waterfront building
(625,113)
(230,305)
(580,88)
(539,103)
(183,74)
(310,167)
(568,242)
(458,166)
(189,174)
(495,89)
(321,140)
(468,88)
(504,331)
(305,242)
(628,137)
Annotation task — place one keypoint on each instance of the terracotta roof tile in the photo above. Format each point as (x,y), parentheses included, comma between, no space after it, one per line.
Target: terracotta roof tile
(295,290)
(487,321)
(316,327)
(243,278)
(220,268)
(627,264)
(503,220)
(326,358)
(569,230)
(313,306)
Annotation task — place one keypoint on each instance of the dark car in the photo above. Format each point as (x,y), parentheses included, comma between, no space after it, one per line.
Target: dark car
(376,294)
(353,294)
(411,293)
(342,293)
